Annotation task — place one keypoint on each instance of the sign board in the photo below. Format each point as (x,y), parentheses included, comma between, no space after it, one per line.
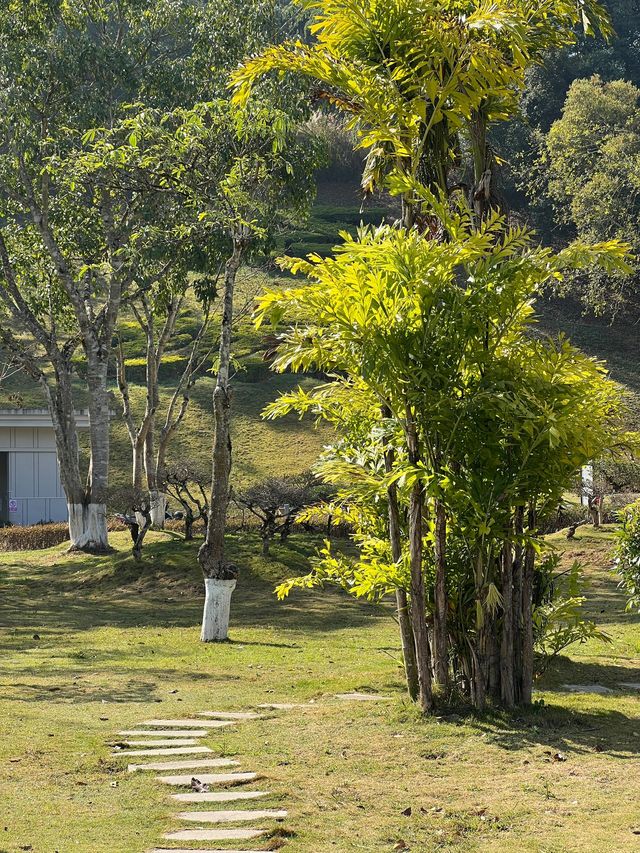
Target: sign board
(13,505)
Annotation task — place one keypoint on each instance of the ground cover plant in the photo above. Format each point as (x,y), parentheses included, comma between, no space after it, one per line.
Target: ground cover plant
(112,641)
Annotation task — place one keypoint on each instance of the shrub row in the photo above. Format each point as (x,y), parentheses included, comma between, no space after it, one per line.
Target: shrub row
(33,537)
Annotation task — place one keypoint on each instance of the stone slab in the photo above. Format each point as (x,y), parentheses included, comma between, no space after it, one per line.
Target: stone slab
(219,796)
(363,697)
(231,715)
(192,850)
(164,733)
(587,688)
(160,742)
(233,815)
(209,778)
(209,724)
(630,685)
(284,706)
(170,750)
(214,834)
(188,764)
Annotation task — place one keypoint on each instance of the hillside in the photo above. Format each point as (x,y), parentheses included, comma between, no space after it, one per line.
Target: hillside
(289,445)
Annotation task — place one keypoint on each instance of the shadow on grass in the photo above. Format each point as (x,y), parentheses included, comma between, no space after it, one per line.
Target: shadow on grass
(563,730)
(165,590)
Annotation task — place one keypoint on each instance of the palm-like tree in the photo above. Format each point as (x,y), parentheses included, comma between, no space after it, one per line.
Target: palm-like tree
(422,80)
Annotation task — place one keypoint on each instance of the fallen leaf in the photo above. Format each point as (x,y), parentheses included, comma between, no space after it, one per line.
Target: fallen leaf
(401,845)
(559,756)
(198,786)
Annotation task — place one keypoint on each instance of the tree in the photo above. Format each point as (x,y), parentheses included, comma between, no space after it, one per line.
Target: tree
(156,314)
(423,84)
(592,167)
(277,502)
(488,426)
(627,556)
(188,484)
(73,246)
(547,83)
(241,173)
(70,250)
(68,253)
(134,511)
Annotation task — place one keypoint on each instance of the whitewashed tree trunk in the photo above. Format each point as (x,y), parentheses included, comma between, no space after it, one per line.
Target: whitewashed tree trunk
(88,527)
(158,508)
(217,607)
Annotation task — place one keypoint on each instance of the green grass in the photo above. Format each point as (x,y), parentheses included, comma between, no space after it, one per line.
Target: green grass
(117,643)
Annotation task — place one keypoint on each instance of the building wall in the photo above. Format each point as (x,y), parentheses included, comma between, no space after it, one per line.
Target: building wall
(34,492)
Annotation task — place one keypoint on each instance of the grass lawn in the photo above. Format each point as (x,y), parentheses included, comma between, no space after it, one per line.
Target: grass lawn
(90,646)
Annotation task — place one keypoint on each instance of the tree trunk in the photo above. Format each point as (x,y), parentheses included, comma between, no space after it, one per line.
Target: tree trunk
(88,527)
(211,555)
(479,642)
(158,502)
(526,688)
(417,606)
(217,605)
(98,478)
(441,644)
(518,572)
(188,525)
(266,541)
(507,689)
(139,538)
(402,606)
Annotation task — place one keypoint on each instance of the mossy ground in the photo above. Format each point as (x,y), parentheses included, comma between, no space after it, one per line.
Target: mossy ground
(117,643)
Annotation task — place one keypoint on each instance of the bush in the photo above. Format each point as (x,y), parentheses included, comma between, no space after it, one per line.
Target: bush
(565,515)
(558,617)
(627,555)
(33,537)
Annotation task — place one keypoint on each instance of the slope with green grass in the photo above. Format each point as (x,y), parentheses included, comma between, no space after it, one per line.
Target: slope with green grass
(94,645)
(291,446)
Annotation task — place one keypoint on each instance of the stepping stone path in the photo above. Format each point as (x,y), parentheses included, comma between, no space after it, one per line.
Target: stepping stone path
(219,796)
(209,778)
(231,715)
(171,742)
(233,815)
(363,697)
(587,688)
(198,724)
(180,737)
(179,733)
(193,764)
(179,750)
(214,834)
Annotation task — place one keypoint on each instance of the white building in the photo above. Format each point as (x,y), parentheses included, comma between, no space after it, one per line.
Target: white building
(30,487)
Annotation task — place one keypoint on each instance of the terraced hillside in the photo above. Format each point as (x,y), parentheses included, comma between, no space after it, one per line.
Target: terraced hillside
(291,446)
